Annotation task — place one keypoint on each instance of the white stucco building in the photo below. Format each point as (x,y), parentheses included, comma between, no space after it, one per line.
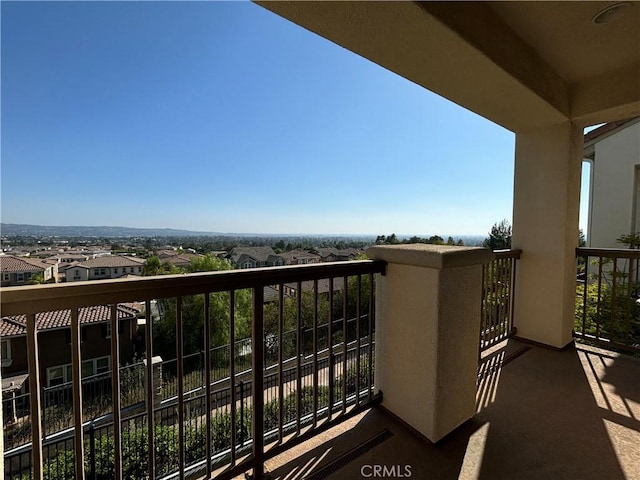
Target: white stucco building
(614,204)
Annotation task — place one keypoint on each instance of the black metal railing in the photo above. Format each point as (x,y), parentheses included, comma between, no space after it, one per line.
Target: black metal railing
(297,384)
(607,309)
(498,287)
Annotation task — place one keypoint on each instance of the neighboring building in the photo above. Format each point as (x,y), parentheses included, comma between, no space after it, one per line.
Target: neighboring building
(179,259)
(299,257)
(291,289)
(166,253)
(19,270)
(253,257)
(73,257)
(108,266)
(614,204)
(54,339)
(331,254)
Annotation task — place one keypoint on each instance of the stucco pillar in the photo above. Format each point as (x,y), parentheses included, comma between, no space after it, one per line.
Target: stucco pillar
(427,333)
(546,208)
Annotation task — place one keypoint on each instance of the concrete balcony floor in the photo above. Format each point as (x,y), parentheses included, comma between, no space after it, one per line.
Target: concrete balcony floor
(542,414)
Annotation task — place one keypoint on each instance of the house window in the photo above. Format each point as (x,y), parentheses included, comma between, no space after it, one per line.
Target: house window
(96,271)
(63,373)
(107,330)
(59,375)
(19,277)
(6,350)
(88,368)
(115,271)
(6,277)
(102,364)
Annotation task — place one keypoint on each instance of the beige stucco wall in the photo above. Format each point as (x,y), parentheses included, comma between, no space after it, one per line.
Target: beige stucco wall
(427,334)
(613,184)
(545,226)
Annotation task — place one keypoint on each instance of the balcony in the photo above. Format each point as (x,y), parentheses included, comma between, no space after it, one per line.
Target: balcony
(324,414)
(313,347)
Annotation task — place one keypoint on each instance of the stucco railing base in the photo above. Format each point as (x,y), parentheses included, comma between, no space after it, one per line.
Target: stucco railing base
(427,331)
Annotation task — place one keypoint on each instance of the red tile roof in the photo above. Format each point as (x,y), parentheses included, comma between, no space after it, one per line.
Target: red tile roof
(109,261)
(17,325)
(10,263)
(607,127)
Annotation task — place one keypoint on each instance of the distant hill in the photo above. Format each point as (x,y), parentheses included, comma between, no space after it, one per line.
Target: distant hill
(23,230)
(12,229)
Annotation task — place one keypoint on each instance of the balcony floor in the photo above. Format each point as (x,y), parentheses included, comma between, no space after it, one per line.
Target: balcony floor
(542,414)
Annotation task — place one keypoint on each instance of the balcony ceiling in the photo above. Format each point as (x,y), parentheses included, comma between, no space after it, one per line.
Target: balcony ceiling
(588,50)
(522,65)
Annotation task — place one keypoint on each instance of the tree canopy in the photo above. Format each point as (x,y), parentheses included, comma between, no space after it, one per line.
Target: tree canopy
(499,236)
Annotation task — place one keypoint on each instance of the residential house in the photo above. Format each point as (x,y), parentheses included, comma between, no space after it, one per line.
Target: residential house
(331,254)
(254,257)
(291,289)
(73,257)
(178,259)
(19,270)
(54,338)
(108,266)
(299,257)
(613,150)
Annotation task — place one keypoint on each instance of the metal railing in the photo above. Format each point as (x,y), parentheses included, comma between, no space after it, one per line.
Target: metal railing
(230,425)
(498,287)
(608,298)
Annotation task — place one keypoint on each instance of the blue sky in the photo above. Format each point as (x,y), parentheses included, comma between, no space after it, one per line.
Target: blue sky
(217,116)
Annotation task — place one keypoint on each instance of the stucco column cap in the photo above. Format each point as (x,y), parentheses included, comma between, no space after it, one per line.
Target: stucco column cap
(432,256)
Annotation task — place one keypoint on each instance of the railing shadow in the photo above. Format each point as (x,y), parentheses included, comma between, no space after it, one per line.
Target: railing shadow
(541,414)
(545,422)
(616,386)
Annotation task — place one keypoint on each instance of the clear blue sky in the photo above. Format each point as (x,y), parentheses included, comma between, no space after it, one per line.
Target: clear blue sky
(224,117)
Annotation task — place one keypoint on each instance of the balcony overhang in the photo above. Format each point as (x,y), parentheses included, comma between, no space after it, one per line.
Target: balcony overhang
(504,61)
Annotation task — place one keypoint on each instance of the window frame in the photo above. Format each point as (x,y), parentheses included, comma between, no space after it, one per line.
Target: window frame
(5,352)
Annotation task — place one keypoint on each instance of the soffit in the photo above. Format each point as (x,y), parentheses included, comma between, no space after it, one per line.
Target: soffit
(563,34)
(523,65)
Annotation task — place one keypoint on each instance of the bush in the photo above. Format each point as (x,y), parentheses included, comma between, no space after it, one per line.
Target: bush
(290,406)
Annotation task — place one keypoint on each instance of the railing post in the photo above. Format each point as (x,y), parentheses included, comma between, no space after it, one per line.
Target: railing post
(76,362)
(92,450)
(115,393)
(241,386)
(257,373)
(34,397)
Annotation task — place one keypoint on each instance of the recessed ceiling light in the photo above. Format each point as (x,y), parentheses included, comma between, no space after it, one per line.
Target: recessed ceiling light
(611,13)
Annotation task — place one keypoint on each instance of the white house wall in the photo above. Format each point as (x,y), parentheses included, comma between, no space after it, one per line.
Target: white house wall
(614,182)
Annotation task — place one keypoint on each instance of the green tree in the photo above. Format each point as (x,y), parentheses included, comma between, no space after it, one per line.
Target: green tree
(631,240)
(154,266)
(208,263)
(435,240)
(499,236)
(193,308)
(582,241)
(36,279)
